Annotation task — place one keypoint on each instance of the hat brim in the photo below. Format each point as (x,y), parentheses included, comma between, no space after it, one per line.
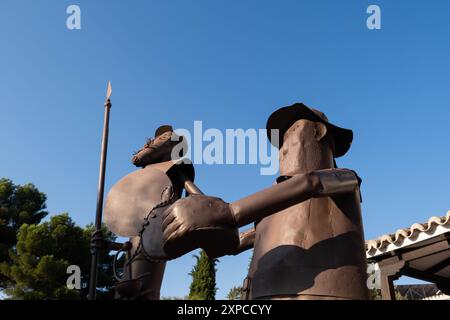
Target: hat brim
(163,129)
(283,118)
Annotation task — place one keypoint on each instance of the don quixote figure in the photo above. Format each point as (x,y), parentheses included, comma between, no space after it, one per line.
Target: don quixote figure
(135,206)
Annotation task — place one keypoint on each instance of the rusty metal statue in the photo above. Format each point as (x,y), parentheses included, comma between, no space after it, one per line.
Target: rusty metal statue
(134,208)
(308,239)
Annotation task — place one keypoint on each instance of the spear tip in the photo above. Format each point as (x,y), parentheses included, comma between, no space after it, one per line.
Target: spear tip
(109,91)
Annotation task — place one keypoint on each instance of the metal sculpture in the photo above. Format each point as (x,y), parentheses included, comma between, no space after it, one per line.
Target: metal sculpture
(308,239)
(134,208)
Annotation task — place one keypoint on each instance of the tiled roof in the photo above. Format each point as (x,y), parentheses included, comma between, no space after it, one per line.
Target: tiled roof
(404,237)
(438,297)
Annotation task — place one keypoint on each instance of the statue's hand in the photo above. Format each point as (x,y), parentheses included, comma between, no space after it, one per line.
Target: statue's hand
(200,221)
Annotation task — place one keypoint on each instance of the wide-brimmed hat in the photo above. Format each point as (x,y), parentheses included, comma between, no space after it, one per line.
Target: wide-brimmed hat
(283,118)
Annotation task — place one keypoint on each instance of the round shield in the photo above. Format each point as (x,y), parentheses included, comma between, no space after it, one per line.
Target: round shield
(132,198)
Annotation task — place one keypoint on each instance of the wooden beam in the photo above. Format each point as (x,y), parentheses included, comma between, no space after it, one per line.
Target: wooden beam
(423,275)
(439,266)
(390,270)
(387,288)
(426,250)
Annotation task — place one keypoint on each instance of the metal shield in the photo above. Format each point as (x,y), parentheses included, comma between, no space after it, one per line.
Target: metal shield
(132,198)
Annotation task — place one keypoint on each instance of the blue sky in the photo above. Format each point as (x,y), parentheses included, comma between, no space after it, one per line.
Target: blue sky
(229,64)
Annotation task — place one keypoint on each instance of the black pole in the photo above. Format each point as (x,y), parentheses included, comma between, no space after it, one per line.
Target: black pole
(97,235)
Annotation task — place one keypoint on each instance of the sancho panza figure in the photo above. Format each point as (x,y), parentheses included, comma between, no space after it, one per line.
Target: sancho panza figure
(309,241)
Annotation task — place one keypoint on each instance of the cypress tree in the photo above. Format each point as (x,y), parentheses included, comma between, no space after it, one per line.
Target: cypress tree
(203,286)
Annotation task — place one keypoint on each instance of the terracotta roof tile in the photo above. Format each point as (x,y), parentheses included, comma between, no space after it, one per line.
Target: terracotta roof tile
(402,237)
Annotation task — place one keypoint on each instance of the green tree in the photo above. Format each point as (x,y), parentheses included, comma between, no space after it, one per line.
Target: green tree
(203,286)
(376,295)
(235,293)
(18,205)
(38,265)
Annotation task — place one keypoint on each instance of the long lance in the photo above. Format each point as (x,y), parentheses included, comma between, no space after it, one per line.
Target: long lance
(97,239)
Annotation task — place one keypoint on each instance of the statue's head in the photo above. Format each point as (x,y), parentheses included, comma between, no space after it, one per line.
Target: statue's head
(306,139)
(158,149)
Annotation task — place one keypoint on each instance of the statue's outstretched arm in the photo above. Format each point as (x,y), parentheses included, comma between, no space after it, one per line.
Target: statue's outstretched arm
(200,221)
(297,189)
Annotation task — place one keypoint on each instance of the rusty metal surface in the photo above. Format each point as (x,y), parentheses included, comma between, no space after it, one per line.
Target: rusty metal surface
(315,248)
(312,248)
(160,148)
(135,207)
(152,237)
(130,200)
(200,221)
(142,278)
(309,240)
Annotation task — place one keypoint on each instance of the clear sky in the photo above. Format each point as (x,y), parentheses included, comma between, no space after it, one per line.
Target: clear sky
(229,64)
